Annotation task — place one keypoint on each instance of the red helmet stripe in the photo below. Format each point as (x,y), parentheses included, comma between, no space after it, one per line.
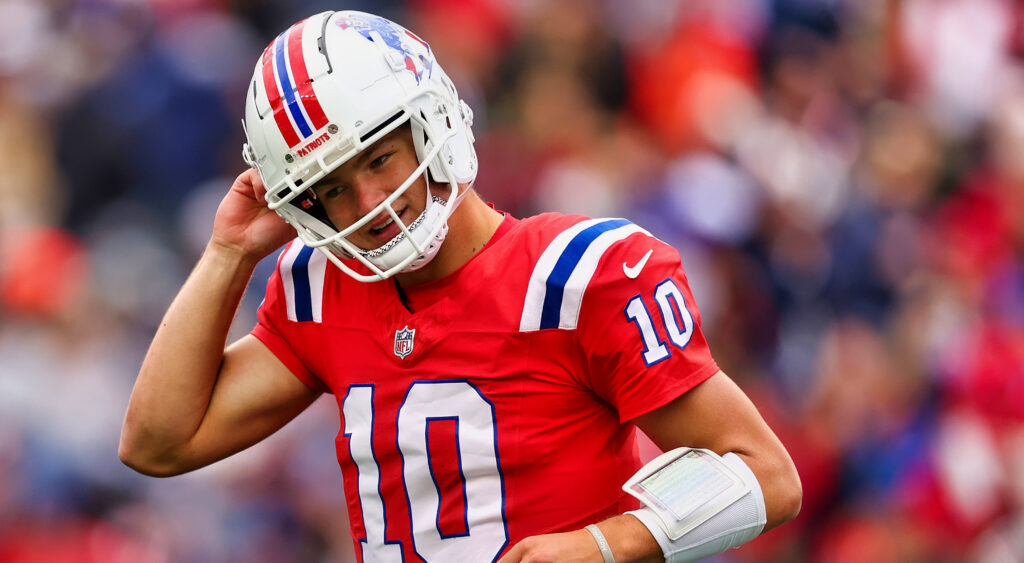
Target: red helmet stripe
(413,35)
(297,60)
(274,97)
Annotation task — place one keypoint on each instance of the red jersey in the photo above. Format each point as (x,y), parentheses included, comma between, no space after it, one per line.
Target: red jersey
(495,406)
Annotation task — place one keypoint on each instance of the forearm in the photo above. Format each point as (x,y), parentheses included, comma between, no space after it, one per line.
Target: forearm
(629,540)
(627,537)
(780,484)
(178,374)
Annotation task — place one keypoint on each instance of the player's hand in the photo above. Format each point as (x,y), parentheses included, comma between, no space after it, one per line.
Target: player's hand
(244,224)
(578,546)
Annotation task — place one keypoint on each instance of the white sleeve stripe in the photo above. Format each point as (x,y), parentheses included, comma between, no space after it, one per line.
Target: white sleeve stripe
(317,274)
(564,270)
(303,270)
(286,277)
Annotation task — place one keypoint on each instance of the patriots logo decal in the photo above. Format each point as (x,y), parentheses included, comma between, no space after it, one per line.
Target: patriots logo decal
(395,38)
(404,341)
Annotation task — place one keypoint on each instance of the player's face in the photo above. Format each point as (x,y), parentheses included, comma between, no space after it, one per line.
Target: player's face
(361,184)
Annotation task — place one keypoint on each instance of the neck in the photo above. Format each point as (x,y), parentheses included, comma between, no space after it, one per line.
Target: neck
(469,228)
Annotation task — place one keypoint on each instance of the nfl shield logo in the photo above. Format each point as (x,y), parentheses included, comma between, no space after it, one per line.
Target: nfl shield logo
(404,342)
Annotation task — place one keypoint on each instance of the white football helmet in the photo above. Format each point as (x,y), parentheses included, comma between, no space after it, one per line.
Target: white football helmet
(327,88)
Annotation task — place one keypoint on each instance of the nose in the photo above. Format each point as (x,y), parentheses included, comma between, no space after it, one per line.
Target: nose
(369,192)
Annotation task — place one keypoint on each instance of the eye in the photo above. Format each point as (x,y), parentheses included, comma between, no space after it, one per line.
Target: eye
(380,160)
(334,192)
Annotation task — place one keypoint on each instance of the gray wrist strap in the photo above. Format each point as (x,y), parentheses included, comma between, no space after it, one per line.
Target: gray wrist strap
(602,543)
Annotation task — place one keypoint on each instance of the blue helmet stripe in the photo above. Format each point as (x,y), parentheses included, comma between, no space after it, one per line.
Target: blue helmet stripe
(289,90)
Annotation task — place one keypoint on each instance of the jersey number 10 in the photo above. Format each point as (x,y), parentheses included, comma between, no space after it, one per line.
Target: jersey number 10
(677,320)
(486,532)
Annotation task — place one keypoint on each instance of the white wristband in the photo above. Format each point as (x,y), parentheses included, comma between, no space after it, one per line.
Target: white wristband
(602,543)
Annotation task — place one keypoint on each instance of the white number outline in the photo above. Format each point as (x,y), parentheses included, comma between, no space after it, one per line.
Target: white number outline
(405,456)
(654,348)
(662,292)
(364,541)
(636,311)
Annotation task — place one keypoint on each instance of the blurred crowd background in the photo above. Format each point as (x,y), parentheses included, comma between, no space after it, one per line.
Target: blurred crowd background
(843,179)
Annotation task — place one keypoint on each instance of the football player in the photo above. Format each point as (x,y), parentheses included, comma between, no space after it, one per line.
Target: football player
(490,372)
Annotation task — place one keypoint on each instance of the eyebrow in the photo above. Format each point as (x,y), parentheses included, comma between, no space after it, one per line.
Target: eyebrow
(359,159)
(365,153)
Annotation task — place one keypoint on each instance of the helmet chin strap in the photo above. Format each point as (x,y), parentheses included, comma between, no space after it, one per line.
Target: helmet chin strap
(412,248)
(400,247)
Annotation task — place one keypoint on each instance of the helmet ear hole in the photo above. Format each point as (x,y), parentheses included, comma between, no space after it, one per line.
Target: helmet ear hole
(426,149)
(424,144)
(309,204)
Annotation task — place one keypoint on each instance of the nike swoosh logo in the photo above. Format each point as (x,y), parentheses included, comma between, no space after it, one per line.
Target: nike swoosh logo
(634,271)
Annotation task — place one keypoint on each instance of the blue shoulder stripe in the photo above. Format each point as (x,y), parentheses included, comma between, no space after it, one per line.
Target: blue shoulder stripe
(300,275)
(303,270)
(565,265)
(564,269)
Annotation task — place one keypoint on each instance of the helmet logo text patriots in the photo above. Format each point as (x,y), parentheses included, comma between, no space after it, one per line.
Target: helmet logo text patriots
(315,143)
(404,340)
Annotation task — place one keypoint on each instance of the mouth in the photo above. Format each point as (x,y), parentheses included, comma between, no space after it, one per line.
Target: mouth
(387,228)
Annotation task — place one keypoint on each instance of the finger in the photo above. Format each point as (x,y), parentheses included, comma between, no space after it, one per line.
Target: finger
(259,189)
(243,182)
(250,185)
(513,555)
(256,181)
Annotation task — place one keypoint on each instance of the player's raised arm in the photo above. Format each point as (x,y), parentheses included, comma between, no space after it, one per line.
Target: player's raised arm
(194,401)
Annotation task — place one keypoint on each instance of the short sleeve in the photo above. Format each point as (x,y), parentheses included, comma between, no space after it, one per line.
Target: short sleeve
(274,330)
(639,328)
